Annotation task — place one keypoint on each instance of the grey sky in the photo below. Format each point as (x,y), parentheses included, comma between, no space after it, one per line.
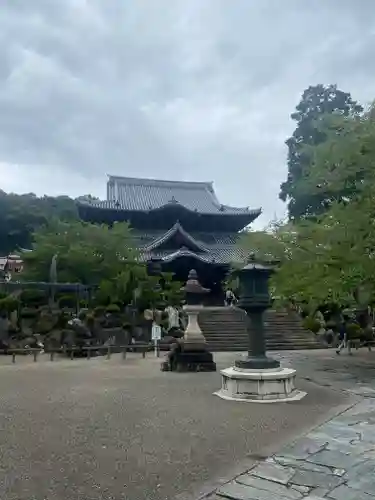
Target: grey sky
(179,89)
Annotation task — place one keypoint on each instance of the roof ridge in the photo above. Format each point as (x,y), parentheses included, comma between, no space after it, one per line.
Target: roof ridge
(177,227)
(160,182)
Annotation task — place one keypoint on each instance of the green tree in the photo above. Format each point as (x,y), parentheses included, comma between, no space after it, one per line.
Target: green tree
(343,167)
(316,102)
(315,265)
(330,258)
(86,253)
(21,215)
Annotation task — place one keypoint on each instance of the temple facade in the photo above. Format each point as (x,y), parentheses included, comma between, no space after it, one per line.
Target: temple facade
(180,224)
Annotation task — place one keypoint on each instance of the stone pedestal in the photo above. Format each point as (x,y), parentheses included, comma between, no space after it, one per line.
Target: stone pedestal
(190,353)
(193,336)
(194,355)
(260,386)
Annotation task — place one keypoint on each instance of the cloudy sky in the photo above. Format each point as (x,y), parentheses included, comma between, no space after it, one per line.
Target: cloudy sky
(175,89)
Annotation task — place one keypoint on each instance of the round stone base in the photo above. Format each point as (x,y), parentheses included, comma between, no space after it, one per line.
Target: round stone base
(259,386)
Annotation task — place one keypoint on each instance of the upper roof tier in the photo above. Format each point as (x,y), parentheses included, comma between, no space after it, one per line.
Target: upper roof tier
(158,204)
(135,194)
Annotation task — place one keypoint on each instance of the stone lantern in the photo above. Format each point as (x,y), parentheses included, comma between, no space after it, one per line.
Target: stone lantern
(254,299)
(190,353)
(257,377)
(194,293)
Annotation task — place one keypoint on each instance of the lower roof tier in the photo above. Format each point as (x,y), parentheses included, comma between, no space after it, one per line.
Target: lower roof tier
(205,238)
(176,243)
(165,217)
(219,256)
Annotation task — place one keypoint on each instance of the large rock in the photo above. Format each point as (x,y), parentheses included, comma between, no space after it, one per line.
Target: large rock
(45,323)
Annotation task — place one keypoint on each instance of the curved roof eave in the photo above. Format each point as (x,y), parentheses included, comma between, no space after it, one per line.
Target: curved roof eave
(176,228)
(228,211)
(186,253)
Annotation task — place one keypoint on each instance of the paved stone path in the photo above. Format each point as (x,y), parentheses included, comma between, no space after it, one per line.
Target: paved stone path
(335,461)
(112,429)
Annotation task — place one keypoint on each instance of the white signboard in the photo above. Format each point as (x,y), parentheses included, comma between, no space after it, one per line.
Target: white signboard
(156,332)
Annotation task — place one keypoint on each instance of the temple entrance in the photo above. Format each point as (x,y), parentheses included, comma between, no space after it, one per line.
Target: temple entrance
(210,276)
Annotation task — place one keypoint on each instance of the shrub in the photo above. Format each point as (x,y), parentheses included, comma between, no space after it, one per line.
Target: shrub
(99,311)
(353,331)
(311,324)
(368,334)
(33,297)
(112,309)
(9,304)
(45,325)
(29,312)
(67,301)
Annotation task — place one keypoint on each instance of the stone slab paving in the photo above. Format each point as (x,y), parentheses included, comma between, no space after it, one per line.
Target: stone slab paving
(335,461)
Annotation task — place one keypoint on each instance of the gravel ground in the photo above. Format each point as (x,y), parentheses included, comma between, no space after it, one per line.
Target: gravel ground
(105,429)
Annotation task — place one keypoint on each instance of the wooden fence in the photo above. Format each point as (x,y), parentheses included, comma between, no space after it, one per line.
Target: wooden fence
(70,352)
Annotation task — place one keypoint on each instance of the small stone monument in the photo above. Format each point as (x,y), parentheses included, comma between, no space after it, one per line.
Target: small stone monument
(190,353)
(52,280)
(257,377)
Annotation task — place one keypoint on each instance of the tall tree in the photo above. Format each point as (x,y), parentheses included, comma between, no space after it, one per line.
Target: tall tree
(330,258)
(316,103)
(86,253)
(343,167)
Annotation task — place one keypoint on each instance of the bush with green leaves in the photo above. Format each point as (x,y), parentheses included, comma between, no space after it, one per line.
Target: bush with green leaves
(99,311)
(113,309)
(354,331)
(368,334)
(33,297)
(68,300)
(9,304)
(29,313)
(311,324)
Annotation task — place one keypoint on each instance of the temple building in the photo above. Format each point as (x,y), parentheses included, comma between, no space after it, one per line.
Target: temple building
(180,224)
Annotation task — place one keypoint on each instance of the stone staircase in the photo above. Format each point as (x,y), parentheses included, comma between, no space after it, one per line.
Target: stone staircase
(225,330)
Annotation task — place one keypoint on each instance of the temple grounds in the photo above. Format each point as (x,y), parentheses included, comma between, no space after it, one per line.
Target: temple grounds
(109,429)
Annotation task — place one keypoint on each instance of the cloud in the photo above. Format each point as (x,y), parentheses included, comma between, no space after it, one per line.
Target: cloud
(198,90)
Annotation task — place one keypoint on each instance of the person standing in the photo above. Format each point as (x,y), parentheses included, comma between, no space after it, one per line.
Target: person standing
(230,298)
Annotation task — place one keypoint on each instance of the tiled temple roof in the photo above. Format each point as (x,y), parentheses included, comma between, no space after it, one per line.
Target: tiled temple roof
(205,239)
(213,248)
(176,229)
(134,194)
(223,255)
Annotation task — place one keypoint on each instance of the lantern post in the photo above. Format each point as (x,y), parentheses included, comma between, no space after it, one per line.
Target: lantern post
(257,377)
(255,299)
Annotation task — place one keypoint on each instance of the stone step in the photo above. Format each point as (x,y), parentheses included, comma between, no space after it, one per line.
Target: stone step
(225,330)
(280,347)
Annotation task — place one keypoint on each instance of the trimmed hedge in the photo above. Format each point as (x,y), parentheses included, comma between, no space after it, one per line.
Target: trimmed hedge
(311,324)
